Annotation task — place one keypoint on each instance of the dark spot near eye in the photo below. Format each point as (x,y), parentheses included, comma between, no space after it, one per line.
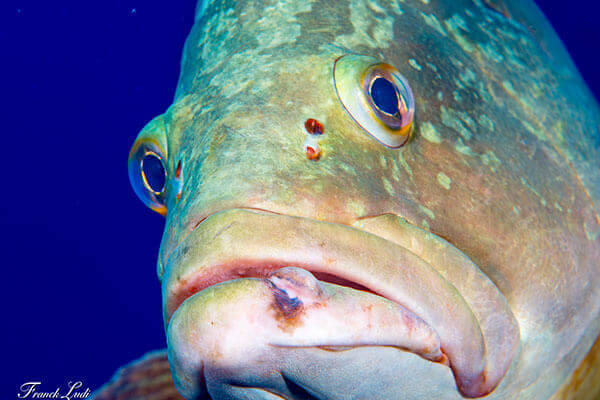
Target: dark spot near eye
(178,170)
(384,96)
(179,184)
(313,127)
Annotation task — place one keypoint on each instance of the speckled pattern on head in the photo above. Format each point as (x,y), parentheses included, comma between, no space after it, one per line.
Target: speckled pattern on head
(500,177)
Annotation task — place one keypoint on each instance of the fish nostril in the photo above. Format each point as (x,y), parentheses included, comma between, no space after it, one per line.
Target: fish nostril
(178,170)
(311,148)
(313,127)
(311,145)
(178,182)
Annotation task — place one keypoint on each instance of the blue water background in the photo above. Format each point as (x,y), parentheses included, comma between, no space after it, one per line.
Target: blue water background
(79,80)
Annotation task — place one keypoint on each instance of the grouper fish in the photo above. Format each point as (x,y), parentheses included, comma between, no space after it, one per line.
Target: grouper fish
(371,199)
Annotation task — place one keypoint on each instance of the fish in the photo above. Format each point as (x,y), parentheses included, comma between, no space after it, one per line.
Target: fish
(369,199)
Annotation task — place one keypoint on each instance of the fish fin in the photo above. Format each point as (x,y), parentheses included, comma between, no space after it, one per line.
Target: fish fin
(148,378)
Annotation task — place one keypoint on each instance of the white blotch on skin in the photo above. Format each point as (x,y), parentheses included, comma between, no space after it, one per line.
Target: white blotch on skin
(450,118)
(413,63)
(383,162)
(429,132)
(405,165)
(489,159)
(357,208)
(508,86)
(434,23)
(463,148)
(456,25)
(486,122)
(444,180)
(427,211)
(388,187)
(591,232)
(457,96)
(369,30)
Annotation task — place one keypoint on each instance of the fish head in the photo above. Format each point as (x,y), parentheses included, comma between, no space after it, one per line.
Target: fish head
(373,199)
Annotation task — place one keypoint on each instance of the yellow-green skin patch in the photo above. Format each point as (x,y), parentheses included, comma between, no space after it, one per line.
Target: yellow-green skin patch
(413,63)
(429,132)
(444,180)
(487,91)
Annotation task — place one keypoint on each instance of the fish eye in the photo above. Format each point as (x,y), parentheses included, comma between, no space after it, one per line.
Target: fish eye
(376,96)
(153,173)
(384,96)
(147,166)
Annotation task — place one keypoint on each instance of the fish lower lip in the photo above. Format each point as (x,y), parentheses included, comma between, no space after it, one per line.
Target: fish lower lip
(254,323)
(241,243)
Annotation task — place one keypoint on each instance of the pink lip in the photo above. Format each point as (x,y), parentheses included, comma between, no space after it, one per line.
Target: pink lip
(246,269)
(248,244)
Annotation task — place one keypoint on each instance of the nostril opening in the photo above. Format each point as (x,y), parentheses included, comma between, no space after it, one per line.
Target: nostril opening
(313,127)
(178,170)
(178,181)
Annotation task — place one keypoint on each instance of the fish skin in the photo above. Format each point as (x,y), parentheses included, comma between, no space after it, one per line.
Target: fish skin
(503,161)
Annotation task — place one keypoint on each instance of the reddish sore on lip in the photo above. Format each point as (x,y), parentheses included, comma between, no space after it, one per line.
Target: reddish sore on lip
(214,275)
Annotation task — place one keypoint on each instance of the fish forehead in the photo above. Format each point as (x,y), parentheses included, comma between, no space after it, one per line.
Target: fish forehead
(481,82)
(503,160)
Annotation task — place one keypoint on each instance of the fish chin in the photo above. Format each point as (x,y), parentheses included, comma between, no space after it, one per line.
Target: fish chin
(254,333)
(266,309)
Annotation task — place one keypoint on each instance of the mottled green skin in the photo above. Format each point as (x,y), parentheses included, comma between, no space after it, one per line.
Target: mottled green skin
(503,161)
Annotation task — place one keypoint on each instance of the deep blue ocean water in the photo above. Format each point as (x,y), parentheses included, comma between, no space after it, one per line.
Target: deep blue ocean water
(78,249)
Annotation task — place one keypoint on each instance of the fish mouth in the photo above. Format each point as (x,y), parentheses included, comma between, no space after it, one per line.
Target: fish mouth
(447,310)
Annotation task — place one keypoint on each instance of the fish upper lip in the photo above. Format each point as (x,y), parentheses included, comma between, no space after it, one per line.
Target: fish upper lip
(200,271)
(164,258)
(249,268)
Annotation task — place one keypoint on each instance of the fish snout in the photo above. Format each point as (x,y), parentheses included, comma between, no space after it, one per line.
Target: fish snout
(250,297)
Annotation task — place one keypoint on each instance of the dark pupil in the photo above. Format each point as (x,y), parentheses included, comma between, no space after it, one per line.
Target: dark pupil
(154,172)
(384,96)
